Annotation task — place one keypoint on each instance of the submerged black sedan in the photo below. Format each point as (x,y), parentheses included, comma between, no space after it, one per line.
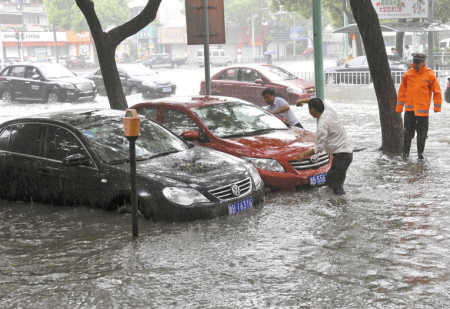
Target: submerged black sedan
(82,158)
(136,78)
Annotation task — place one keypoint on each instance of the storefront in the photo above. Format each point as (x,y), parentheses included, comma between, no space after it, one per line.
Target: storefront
(34,44)
(145,41)
(172,40)
(79,43)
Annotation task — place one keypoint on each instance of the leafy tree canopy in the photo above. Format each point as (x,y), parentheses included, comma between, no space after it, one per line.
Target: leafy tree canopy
(66,14)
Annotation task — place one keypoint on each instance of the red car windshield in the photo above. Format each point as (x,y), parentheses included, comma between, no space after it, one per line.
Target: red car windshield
(276,73)
(236,119)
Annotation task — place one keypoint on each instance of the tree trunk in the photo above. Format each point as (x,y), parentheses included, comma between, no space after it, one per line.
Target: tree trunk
(56,45)
(106,44)
(391,121)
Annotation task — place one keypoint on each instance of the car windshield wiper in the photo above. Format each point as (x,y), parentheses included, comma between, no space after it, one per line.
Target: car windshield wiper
(163,153)
(257,132)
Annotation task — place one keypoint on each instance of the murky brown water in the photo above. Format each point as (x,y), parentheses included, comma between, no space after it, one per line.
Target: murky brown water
(383,245)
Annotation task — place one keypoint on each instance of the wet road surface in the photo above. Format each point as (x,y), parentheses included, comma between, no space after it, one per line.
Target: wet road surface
(383,245)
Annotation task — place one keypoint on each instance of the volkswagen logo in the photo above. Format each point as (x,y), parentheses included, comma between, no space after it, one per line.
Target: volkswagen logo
(314,159)
(235,190)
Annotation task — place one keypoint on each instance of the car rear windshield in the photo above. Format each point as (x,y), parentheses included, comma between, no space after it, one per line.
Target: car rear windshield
(238,119)
(276,73)
(107,138)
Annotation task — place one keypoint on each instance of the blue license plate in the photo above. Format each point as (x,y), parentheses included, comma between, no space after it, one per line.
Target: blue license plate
(318,179)
(313,96)
(240,206)
(167,89)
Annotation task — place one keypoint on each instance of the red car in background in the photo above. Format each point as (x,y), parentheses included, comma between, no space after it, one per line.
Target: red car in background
(247,82)
(244,130)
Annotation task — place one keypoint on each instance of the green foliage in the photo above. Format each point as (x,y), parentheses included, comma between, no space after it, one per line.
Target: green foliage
(441,10)
(58,12)
(67,15)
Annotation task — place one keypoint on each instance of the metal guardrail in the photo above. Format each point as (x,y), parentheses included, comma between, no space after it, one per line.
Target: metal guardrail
(363,77)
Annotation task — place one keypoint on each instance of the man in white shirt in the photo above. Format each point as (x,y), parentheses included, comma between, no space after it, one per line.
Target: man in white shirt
(279,107)
(331,137)
(407,55)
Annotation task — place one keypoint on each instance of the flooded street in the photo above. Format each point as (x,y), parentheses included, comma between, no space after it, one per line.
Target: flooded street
(383,245)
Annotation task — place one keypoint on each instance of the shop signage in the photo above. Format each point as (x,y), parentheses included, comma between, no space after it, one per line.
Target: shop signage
(170,35)
(394,9)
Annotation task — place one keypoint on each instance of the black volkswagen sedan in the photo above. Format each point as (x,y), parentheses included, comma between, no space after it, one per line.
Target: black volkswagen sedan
(82,158)
(136,78)
(43,82)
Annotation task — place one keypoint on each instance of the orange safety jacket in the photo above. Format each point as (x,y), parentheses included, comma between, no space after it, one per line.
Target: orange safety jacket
(415,92)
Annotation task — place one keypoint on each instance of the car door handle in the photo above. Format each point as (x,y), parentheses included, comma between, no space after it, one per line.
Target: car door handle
(27,82)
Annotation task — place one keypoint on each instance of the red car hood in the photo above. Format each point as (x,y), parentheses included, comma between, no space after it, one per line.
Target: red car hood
(272,145)
(296,83)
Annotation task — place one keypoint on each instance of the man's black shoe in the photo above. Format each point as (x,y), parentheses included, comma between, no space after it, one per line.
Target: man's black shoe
(421,156)
(405,155)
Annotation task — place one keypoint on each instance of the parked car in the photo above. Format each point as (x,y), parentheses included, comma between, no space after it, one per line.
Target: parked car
(356,71)
(245,131)
(136,78)
(81,158)
(163,60)
(73,62)
(124,58)
(89,61)
(247,82)
(44,82)
(217,56)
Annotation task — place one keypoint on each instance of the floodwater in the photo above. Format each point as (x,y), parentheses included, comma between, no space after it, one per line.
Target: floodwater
(383,245)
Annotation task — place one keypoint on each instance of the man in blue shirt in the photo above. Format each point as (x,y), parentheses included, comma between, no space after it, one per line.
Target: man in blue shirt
(279,107)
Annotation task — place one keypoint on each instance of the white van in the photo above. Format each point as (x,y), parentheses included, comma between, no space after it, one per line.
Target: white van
(445,43)
(216,57)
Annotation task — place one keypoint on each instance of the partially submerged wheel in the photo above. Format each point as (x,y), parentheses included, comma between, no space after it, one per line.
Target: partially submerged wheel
(52,97)
(134,90)
(7,96)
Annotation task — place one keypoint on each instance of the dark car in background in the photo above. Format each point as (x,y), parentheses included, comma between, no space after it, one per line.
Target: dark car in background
(43,82)
(246,131)
(247,82)
(74,62)
(356,71)
(124,58)
(163,60)
(136,78)
(81,158)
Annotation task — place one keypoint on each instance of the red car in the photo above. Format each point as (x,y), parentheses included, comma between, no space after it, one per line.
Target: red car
(246,131)
(247,82)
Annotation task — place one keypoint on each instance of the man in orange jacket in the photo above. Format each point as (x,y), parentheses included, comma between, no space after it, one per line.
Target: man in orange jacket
(418,84)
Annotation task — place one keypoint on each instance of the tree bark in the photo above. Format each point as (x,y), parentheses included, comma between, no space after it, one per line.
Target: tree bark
(391,121)
(106,44)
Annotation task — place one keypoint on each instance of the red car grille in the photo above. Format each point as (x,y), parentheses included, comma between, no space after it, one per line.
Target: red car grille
(307,164)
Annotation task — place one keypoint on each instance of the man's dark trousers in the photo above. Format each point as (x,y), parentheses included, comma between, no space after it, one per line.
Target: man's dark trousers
(338,171)
(413,123)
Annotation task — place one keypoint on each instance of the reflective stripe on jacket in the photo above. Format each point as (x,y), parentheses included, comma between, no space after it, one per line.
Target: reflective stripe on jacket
(415,92)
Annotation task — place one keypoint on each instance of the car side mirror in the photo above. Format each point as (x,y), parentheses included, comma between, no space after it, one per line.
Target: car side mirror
(75,160)
(121,74)
(259,81)
(36,76)
(191,136)
(346,65)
